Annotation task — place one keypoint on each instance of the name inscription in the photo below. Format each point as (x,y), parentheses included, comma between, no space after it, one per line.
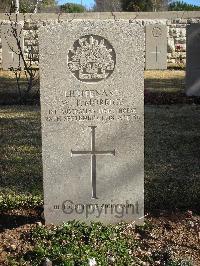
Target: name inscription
(92,105)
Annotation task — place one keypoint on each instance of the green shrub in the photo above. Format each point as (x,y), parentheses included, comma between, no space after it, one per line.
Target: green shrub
(75,243)
(72,8)
(13,201)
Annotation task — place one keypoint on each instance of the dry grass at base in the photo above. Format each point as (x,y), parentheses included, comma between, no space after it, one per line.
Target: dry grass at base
(168,81)
(157,74)
(178,233)
(164,74)
(9,75)
(155,80)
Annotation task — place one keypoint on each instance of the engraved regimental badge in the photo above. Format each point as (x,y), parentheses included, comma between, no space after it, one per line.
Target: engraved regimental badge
(92,59)
(157,32)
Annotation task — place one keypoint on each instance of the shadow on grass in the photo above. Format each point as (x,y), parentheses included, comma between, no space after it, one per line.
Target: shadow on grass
(21,162)
(10,221)
(160,97)
(162,83)
(172,161)
(172,148)
(9,94)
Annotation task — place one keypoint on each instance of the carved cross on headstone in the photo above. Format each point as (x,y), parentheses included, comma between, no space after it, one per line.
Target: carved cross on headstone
(93,152)
(156,52)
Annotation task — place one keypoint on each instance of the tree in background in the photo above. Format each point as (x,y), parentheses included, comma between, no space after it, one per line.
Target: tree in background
(26,6)
(160,5)
(131,5)
(31,6)
(107,5)
(72,8)
(137,5)
(182,6)
(5,5)
(27,66)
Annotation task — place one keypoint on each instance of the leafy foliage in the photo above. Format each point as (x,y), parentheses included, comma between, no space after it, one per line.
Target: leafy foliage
(75,243)
(28,6)
(137,5)
(16,201)
(107,5)
(182,6)
(130,5)
(72,8)
(6,6)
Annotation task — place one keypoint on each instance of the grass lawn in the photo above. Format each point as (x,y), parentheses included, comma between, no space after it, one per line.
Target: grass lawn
(21,160)
(165,81)
(172,185)
(168,81)
(172,162)
(9,93)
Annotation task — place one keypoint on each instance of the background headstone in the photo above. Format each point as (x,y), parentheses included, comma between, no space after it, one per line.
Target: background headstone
(193,60)
(10,50)
(156,47)
(92,121)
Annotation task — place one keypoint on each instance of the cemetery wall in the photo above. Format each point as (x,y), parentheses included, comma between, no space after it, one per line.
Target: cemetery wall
(176,23)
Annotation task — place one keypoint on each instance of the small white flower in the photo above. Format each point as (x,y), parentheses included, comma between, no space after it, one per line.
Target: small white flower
(92,262)
(111,259)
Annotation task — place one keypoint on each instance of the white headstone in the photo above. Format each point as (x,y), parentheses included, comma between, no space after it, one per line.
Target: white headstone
(92,85)
(10,34)
(156,46)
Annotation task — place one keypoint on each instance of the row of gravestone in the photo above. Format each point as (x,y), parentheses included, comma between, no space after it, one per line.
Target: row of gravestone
(11,49)
(92,109)
(156,46)
(155,50)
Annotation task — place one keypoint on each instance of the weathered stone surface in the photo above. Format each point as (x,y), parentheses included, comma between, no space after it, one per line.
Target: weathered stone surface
(193,60)
(156,46)
(10,51)
(92,120)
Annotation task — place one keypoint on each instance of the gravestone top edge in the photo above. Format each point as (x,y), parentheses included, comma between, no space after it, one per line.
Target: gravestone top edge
(169,15)
(62,23)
